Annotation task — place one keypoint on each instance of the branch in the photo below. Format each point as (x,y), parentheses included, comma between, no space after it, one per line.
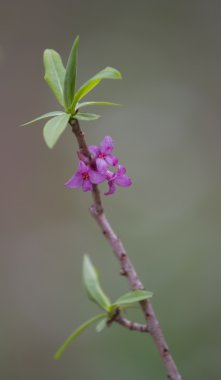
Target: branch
(127,268)
(132,325)
(117,317)
(84,149)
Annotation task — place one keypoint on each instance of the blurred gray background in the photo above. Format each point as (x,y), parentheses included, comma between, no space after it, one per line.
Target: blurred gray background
(167,134)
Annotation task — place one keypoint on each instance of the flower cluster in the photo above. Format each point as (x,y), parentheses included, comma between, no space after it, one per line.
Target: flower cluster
(103,159)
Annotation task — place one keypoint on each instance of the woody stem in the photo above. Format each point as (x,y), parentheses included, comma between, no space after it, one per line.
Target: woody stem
(127,268)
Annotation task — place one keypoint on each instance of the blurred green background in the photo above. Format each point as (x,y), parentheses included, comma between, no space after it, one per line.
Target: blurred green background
(168,136)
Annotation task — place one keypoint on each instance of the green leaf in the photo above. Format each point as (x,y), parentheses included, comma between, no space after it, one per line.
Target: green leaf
(86,116)
(54,128)
(77,332)
(101,325)
(54,73)
(91,282)
(107,73)
(49,114)
(130,306)
(134,296)
(84,90)
(85,104)
(70,76)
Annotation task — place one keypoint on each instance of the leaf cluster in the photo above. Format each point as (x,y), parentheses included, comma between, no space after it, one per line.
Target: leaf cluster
(62,82)
(97,295)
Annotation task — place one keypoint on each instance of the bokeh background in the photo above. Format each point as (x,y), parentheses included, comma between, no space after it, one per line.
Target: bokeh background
(167,134)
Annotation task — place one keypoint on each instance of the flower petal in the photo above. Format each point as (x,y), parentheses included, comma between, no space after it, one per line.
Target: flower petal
(110,175)
(101,165)
(107,145)
(94,150)
(123,181)
(83,168)
(96,177)
(86,185)
(75,181)
(111,189)
(121,170)
(111,160)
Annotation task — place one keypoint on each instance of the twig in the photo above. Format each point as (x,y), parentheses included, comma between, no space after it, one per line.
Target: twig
(117,317)
(127,268)
(84,149)
(132,325)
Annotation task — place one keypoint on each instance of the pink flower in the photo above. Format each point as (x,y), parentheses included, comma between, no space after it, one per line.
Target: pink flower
(85,177)
(96,170)
(119,178)
(103,154)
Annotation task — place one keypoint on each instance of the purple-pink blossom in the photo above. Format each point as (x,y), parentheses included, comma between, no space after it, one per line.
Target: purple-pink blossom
(98,169)
(85,177)
(119,178)
(103,154)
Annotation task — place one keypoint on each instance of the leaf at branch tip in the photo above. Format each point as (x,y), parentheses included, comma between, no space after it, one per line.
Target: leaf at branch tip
(54,73)
(70,76)
(107,73)
(101,325)
(86,104)
(74,335)
(91,282)
(134,296)
(54,128)
(49,114)
(86,116)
